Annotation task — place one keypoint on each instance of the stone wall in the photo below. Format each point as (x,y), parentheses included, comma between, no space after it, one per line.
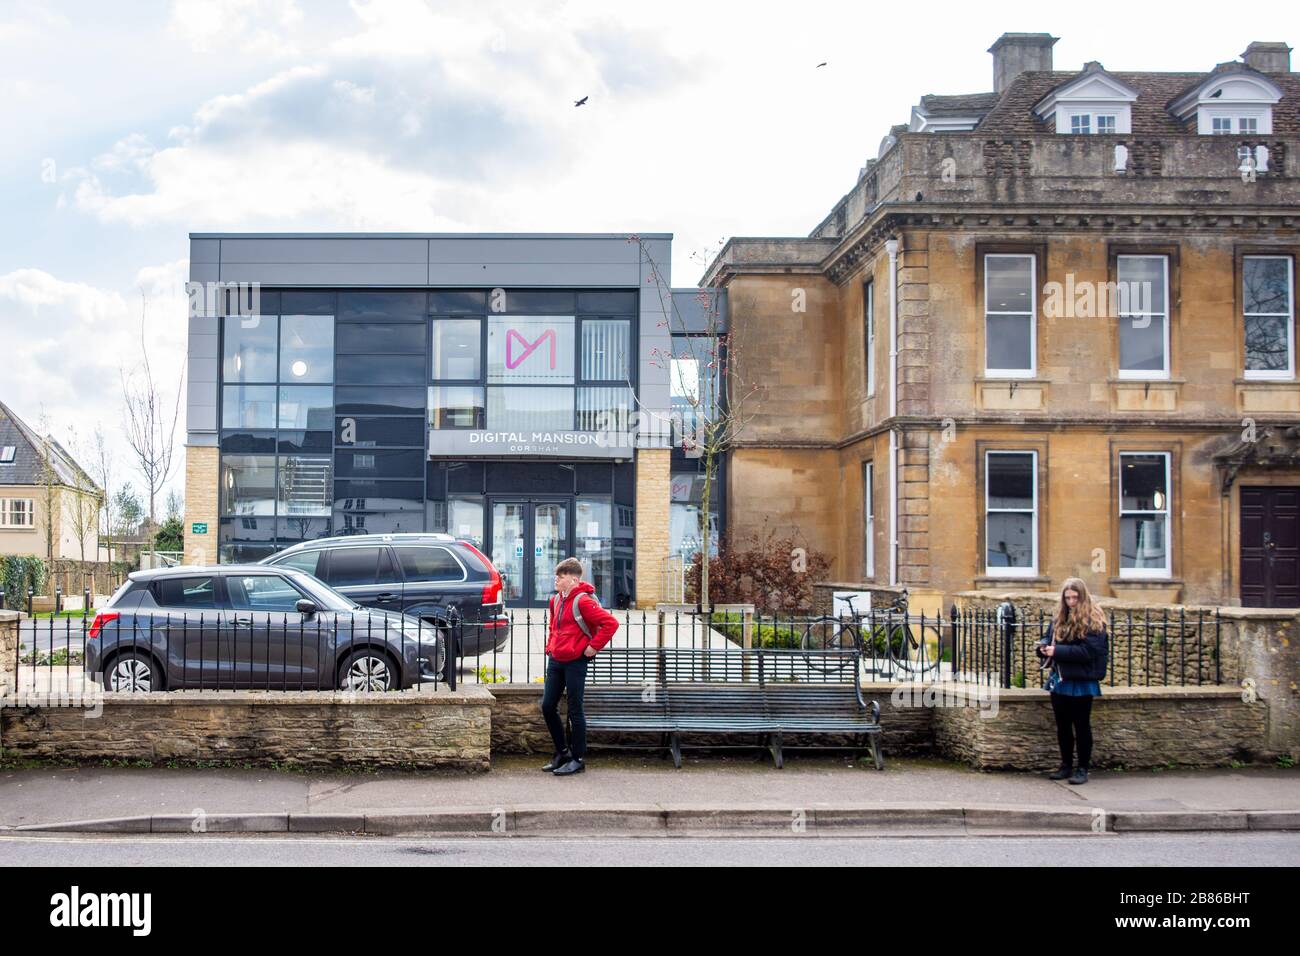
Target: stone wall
(1255,644)
(308,729)
(1133,728)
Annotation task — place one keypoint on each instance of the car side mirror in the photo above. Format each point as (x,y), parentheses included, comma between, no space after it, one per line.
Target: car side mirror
(307,607)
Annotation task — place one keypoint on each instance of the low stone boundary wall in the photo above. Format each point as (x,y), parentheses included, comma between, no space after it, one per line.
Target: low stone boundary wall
(314,729)
(1133,728)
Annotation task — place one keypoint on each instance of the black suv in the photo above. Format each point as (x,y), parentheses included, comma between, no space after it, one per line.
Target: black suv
(420,575)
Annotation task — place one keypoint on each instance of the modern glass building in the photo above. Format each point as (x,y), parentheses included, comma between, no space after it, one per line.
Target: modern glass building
(514,390)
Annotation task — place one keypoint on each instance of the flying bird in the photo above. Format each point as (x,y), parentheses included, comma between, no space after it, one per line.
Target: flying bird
(581,102)
(819,66)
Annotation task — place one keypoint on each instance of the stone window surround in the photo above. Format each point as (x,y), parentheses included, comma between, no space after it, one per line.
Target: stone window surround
(1137,446)
(1038,249)
(1173,306)
(1241,251)
(1018,444)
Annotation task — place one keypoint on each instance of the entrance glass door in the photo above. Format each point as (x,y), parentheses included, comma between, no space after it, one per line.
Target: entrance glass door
(529,538)
(550,545)
(510,547)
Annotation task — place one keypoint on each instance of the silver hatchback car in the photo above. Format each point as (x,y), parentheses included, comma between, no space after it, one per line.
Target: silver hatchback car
(254,626)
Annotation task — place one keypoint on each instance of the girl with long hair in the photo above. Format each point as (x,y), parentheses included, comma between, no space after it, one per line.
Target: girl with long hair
(1076,650)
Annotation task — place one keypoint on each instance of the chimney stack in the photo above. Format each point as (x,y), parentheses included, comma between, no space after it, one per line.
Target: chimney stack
(1016,53)
(1268,57)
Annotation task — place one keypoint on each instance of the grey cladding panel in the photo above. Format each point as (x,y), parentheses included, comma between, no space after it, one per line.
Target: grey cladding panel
(205,251)
(326,274)
(323,251)
(204,272)
(535,274)
(525,251)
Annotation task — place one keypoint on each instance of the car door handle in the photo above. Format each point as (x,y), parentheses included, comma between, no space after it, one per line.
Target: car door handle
(386,596)
(243,622)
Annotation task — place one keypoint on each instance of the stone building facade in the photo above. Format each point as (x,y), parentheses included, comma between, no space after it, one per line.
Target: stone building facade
(1049,332)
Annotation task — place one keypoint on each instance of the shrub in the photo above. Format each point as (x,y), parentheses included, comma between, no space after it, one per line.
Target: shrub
(775,573)
(17,574)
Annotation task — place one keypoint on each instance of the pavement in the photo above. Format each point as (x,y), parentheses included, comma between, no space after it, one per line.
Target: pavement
(629,796)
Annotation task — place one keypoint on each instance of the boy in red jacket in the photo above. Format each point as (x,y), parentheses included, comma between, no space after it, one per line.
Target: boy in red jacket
(579,628)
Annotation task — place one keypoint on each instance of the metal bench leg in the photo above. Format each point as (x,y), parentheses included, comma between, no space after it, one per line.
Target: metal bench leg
(675,748)
(775,747)
(876,755)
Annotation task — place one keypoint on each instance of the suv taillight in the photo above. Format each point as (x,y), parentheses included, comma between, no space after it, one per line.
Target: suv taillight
(102,618)
(491,590)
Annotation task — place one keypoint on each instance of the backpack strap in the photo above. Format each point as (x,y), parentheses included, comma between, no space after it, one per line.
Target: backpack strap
(577,614)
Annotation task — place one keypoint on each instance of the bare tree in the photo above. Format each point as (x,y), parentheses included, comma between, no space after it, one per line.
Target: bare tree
(150,429)
(175,504)
(102,464)
(84,499)
(707,381)
(47,479)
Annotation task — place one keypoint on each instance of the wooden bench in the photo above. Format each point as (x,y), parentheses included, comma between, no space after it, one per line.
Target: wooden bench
(764,694)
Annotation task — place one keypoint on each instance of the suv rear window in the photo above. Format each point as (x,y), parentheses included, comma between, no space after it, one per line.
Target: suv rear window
(197,592)
(429,564)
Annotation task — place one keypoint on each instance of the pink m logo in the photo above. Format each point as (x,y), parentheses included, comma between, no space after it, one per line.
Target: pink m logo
(529,348)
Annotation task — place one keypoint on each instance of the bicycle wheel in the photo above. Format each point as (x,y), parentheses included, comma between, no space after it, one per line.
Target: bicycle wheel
(907,654)
(828,634)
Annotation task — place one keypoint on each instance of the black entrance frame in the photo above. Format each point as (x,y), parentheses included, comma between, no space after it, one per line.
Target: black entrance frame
(535,480)
(529,572)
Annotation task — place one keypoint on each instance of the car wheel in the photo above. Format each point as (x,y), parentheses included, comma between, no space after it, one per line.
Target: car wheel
(134,672)
(367,670)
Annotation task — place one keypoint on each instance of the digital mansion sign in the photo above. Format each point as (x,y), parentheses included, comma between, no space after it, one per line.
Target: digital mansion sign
(534,351)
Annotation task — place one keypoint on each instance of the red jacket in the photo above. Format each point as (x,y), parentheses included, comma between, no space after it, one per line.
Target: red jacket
(566,642)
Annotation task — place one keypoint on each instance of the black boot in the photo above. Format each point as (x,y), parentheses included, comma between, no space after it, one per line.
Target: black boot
(1062,774)
(575,765)
(557,761)
(1080,776)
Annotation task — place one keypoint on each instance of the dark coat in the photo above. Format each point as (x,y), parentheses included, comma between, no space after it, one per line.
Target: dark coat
(1079,660)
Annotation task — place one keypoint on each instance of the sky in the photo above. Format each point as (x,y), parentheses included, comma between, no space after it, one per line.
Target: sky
(131,124)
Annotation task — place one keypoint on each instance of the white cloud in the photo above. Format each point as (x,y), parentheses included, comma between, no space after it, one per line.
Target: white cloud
(254,27)
(419,119)
(77,339)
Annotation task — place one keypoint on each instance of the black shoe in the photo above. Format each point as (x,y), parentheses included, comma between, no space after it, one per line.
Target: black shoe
(1062,773)
(1080,776)
(575,765)
(557,761)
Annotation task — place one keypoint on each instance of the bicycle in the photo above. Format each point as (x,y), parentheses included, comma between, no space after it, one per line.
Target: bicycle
(891,641)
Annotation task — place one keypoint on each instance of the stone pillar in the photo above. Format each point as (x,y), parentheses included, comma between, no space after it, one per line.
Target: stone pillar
(202,473)
(8,650)
(652,521)
(1263,645)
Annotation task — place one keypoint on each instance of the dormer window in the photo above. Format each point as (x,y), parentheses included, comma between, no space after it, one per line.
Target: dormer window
(1093,103)
(1234,100)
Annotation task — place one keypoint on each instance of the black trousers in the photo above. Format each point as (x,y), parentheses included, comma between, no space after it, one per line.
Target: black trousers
(566,677)
(1073,723)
